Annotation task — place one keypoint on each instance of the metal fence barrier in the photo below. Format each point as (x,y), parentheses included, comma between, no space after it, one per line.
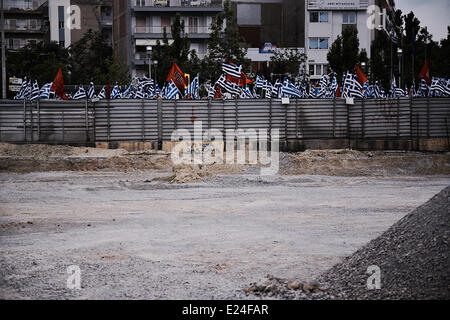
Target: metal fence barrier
(154,120)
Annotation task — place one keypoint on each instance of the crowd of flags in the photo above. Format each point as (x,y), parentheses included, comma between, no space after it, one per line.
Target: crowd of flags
(234,82)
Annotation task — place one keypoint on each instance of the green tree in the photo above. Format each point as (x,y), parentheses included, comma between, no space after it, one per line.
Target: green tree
(38,61)
(344,53)
(288,62)
(225,44)
(178,51)
(92,59)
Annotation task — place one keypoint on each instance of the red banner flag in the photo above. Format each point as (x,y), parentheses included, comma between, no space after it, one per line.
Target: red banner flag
(177,76)
(338,91)
(425,73)
(58,85)
(241,82)
(218,94)
(360,76)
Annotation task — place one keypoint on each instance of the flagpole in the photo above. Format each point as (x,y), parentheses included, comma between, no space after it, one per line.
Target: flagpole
(2,22)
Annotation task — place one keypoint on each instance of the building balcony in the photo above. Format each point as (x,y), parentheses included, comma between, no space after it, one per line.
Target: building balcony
(24,29)
(158,32)
(180,6)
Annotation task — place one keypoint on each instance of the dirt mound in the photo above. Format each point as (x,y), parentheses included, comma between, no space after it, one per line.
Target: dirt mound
(44,151)
(363,163)
(413,256)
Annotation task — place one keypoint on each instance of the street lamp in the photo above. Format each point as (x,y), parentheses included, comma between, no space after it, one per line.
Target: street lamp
(399,54)
(149,56)
(155,63)
(363,65)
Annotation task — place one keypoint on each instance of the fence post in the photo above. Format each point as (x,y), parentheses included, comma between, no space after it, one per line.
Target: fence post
(24,120)
(31,121)
(159,108)
(411,122)
(334,117)
(270,119)
(286,125)
(86,116)
(175,115)
(143,120)
(398,117)
(348,127)
(38,120)
(235,115)
(63,125)
(209,114)
(108,124)
(428,117)
(363,119)
(296,119)
(94,122)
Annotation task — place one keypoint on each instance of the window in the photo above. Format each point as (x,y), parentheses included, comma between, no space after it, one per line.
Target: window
(316,16)
(349,17)
(323,43)
(318,69)
(313,43)
(318,43)
(61,25)
(193,24)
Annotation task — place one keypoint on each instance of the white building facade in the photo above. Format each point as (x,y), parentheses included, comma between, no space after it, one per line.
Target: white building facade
(324,22)
(59,26)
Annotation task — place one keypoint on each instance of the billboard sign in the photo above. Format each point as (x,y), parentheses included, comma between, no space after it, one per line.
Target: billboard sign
(338,4)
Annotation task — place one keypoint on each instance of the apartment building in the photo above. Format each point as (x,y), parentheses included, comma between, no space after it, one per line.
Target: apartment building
(138,24)
(25,22)
(325,20)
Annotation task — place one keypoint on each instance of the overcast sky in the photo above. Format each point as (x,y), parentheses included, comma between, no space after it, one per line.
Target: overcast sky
(435,14)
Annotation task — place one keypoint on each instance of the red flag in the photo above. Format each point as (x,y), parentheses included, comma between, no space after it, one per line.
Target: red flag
(218,94)
(58,85)
(108,91)
(425,73)
(338,91)
(360,76)
(241,82)
(177,76)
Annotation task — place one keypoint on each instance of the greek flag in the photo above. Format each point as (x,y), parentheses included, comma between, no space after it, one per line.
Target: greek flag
(192,90)
(44,93)
(437,88)
(247,94)
(352,88)
(212,91)
(171,90)
(27,91)
(20,94)
(145,82)
(334,86)
(102,94)
(423,89)
(115,94)
(231,87)
(289,90)
(413,89)
(323,84)
(80,94)
(140,94)
(259,84)
(376,91)
(255,94)
(276,89)
(157,91)
(34,91)
(232,69)
(91,91)
(267,89)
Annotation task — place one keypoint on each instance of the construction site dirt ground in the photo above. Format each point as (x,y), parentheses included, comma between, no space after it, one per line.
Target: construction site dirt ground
(138,233)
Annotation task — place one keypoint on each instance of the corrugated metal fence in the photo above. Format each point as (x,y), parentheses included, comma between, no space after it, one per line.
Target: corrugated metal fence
(155,120)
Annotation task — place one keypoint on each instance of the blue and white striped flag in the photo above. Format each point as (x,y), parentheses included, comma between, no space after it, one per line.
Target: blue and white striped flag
(115,94)
(232,69)
(423,89)
(20,95)
(140,94)
(259,84)
(91,91)
(437,88)
(102,93)
(44,93)
(171,90)
(34,91)
(230,87)
(80,94)
(192,89)
(289,90)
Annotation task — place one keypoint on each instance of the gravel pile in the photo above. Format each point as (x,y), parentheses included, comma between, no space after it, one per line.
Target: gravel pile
(413,257)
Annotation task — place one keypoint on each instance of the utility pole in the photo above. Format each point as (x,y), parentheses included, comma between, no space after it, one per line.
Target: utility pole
(2,23)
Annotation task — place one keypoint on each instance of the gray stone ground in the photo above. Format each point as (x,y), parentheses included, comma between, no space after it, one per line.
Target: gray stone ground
(208,240)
